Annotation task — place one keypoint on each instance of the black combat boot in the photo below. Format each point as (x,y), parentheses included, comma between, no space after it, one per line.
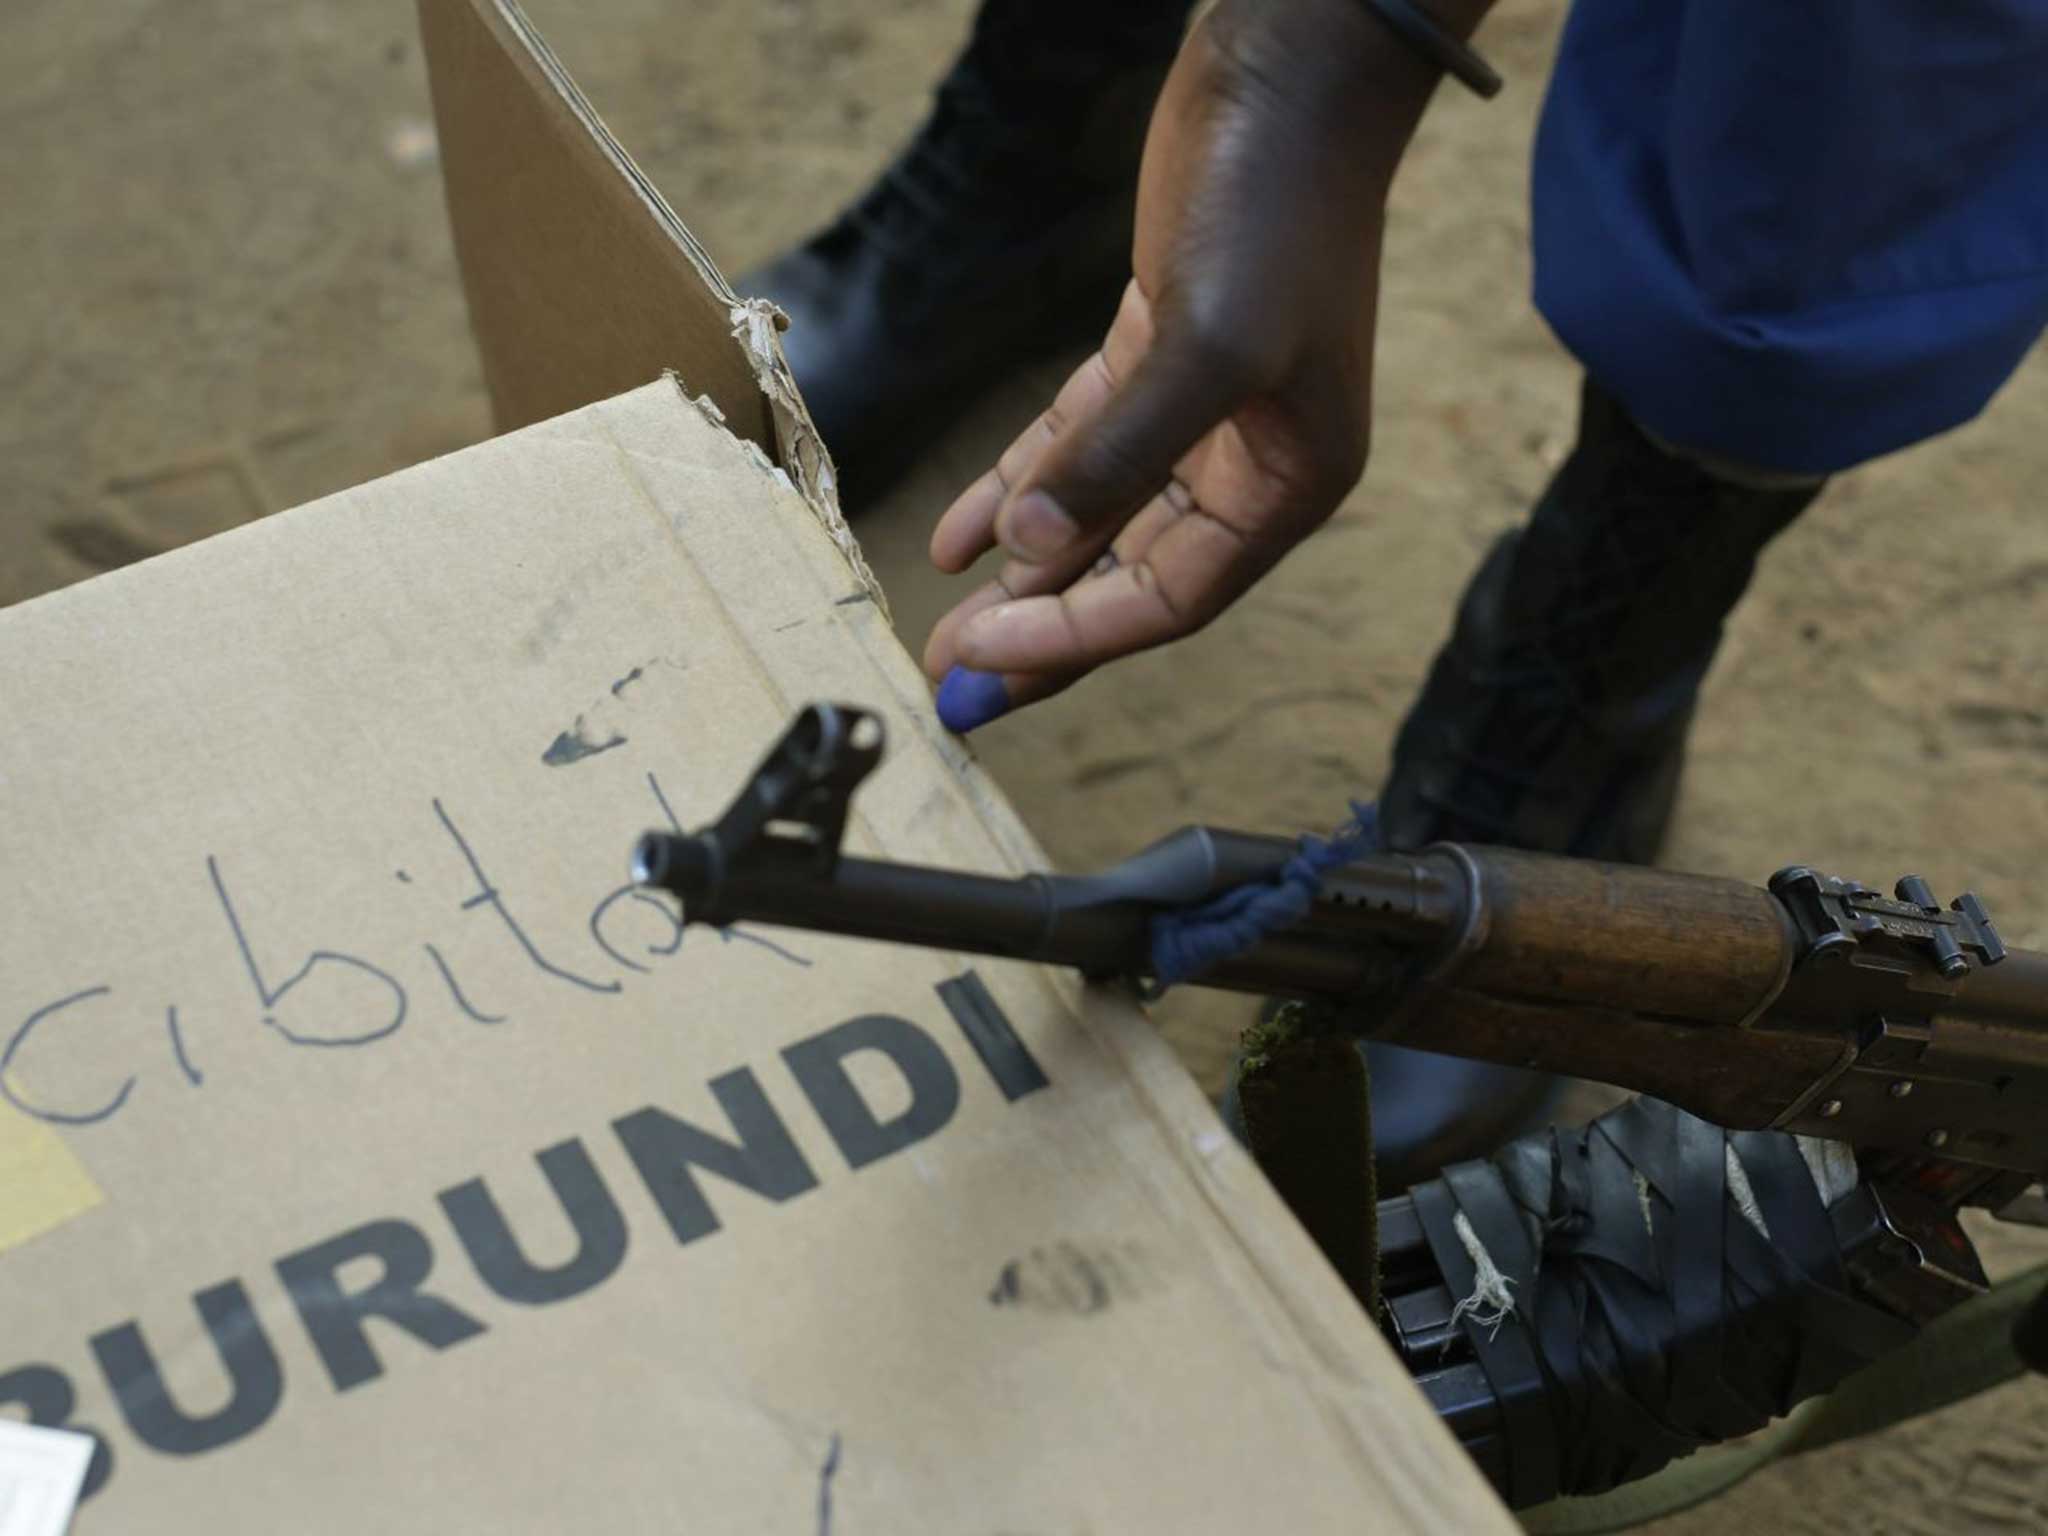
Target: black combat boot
(1556,715)
(999,237)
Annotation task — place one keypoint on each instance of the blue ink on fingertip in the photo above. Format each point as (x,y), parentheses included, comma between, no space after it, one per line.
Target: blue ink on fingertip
(969,700)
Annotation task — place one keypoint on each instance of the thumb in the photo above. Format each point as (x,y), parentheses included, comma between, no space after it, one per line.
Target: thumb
(1117,453)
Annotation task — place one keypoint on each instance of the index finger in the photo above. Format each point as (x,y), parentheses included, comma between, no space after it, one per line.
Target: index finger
(1183,578)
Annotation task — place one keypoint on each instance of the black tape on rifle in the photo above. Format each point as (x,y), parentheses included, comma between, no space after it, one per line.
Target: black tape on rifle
(1645,1315)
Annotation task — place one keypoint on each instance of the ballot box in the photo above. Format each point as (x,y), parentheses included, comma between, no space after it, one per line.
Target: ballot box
(375,1156)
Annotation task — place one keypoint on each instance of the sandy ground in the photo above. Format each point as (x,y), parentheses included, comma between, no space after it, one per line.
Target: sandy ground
(229,288)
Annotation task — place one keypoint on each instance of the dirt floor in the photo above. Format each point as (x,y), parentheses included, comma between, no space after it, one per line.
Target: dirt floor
(229,288)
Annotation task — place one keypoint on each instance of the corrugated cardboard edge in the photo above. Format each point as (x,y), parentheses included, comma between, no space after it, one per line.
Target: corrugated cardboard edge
(502,251)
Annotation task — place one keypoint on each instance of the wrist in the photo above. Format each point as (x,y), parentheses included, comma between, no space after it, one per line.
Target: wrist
(1340,62)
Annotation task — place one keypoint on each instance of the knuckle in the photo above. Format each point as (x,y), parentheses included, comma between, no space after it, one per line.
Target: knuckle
(1113,470)
(1181,618)
(1218,336)
(1337,465)
(1316,453)
(1074,632)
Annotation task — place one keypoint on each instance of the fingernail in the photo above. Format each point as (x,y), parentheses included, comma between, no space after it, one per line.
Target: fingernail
(1036,528)
(968,700)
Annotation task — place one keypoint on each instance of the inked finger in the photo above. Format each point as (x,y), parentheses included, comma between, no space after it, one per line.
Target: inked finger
(940,647)
(1190,571)
(968,700)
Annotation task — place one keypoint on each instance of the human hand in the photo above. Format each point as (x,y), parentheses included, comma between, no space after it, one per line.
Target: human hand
(1227,411)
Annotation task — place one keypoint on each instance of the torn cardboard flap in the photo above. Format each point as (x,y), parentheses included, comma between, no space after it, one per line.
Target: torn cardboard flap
(456,1189)
(582,282)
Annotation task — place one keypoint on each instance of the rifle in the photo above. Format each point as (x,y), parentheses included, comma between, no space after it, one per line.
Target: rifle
(1586,1304)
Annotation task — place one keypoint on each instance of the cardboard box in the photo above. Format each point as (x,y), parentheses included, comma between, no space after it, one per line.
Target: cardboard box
(374,1157)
